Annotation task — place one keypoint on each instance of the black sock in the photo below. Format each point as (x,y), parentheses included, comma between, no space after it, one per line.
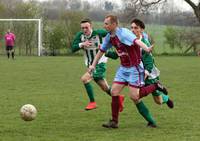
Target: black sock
(13,55)
(8,54)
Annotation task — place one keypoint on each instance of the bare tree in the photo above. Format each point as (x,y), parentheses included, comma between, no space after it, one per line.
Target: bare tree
(195,7)
(133,7)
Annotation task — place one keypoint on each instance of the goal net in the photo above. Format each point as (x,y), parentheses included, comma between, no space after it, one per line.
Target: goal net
(28,34)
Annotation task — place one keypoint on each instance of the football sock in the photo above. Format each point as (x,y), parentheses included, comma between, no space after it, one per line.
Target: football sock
(165,98)
(146,90)
(13,55)
(145,112)
(115,108)
(8,54)
(90,92)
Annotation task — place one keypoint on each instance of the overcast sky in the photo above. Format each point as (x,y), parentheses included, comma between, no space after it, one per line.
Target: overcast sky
(179,3)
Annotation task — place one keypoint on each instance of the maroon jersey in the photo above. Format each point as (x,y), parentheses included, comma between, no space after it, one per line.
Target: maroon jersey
(129,55)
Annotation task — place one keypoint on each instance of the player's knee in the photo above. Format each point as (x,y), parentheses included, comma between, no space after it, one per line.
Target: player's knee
(104,88)
(114,92)
(135,98)
(158,102)
(84,79)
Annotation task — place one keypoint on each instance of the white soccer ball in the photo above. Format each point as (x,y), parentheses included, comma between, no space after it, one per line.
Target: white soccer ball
(28,112)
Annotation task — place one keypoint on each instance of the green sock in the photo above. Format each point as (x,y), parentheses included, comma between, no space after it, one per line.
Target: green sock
(90,92)
(145,112)
(165,98)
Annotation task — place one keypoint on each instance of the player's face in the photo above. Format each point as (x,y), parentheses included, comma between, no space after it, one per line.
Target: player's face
(136,29)
(86,28)
(109,26)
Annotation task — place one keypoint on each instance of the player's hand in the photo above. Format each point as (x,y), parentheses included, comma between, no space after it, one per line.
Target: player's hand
(146,72)
(86,44)
(91,69)
(149,49)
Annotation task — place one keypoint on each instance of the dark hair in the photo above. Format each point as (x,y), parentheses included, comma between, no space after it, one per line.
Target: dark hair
(138,23)
(113,18)
(86,20)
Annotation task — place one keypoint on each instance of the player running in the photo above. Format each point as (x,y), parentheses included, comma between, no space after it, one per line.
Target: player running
(90,41)
(151,71)
(130,72)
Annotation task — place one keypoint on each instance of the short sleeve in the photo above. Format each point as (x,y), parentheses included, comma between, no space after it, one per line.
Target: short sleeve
(126,36)
(106,44)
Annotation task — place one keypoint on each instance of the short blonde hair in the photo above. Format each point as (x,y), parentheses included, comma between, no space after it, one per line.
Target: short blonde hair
(113,19)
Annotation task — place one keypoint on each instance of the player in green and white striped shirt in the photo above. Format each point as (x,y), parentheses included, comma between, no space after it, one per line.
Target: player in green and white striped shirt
(89,41)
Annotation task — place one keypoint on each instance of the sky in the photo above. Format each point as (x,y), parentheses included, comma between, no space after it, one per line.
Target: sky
(179,3)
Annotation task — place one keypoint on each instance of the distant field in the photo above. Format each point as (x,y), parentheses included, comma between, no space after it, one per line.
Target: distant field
(52,84)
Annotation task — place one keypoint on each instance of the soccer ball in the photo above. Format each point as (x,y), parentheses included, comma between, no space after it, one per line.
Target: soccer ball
(28,112)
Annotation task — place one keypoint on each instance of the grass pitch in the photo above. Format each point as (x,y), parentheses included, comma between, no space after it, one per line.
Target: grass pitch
(53,85)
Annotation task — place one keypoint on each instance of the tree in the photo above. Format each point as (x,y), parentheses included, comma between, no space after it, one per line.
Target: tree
(131,8)
(108,6)
(196,8)
(74,4)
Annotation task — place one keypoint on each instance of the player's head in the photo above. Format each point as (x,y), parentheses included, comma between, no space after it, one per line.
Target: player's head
(8,31)
(86,26)
(110,23)
(137,26)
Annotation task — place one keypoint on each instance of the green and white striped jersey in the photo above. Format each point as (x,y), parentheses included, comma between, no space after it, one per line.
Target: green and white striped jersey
(90,52)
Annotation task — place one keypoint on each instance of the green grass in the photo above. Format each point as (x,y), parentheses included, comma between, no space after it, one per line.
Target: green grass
(53,85)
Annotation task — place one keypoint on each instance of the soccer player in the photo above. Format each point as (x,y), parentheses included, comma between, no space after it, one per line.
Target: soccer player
(89,41)
(151,71)
(10,41)
(130,72)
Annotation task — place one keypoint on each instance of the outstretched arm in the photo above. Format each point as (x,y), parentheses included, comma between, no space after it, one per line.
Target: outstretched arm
(143,46)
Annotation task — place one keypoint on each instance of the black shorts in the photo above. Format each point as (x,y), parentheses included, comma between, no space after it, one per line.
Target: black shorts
(9,48)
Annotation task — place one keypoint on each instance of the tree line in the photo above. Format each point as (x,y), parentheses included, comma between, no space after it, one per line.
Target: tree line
(61,19)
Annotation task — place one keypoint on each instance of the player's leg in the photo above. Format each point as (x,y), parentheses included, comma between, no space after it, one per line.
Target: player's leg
(118,84)
(8,51)
(99,78)
(136,79)
(103,84)
(158,96)
(158,99)
(86,78)
(142,109)
(116,90)
(12,52)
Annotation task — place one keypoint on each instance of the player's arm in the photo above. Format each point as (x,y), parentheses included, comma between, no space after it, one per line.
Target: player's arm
(95,61)
(103,48)
(76,44)
(147,60)
(102,32)
(143,46)
(14,37)
(111,54)
(129,38)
